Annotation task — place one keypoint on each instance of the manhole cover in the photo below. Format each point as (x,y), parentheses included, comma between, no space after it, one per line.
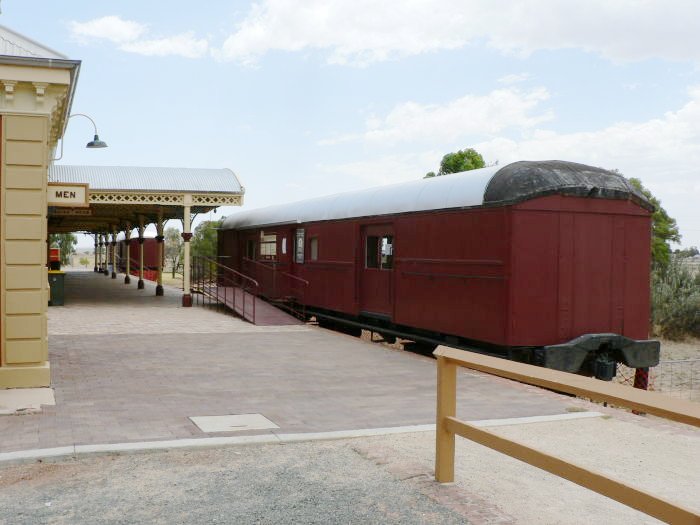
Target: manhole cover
(232,423)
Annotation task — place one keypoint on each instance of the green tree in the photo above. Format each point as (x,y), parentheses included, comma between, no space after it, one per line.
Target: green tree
(463,160)
(66,244)
(664,229)
(204,239)
(173,248)
(687,252)
(84,261)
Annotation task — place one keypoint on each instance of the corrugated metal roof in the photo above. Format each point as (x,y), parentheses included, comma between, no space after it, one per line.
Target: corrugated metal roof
(136,178)
(17,45)
(455,191)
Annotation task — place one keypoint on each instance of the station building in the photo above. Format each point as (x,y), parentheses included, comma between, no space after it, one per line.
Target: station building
(38,197)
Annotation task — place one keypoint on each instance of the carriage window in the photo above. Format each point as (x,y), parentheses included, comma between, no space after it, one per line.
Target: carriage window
(313,248)
(250,249)
(371,252)
(268,246)
(387,252)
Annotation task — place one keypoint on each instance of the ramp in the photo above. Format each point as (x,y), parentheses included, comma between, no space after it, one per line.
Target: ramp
(249,307)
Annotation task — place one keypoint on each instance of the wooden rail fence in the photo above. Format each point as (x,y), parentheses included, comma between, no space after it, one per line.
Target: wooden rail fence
(447,426)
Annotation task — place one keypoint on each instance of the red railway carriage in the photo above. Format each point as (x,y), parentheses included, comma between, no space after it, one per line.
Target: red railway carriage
(150,256)
(545,262)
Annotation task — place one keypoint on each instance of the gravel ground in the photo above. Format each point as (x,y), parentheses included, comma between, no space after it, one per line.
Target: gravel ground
(688,349)
(655,456)
(322,482)
(678,374)
(387,479)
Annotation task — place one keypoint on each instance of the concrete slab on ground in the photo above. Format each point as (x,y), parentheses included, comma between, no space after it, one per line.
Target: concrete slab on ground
(23,400)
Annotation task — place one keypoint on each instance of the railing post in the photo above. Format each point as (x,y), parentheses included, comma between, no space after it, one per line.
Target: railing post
(446,407)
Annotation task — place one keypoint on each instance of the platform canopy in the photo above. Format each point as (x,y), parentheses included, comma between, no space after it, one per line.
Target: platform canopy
(118,197)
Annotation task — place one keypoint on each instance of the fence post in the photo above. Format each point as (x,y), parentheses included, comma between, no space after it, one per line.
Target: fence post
(446,407)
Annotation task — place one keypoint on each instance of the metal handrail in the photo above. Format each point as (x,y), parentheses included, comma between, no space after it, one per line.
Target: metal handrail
(295,302)
(209,274)
(227,268)
(273,267)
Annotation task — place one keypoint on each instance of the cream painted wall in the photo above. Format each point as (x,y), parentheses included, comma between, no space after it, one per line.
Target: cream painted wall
(23,339)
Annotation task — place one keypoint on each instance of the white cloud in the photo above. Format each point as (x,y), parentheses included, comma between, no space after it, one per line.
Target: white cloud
(469,115)
(388,169)
(112,28)
(663,152)
(365,31)
(514,78)
(185,45)
(131,36)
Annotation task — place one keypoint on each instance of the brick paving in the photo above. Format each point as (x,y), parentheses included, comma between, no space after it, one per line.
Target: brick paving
(129,366)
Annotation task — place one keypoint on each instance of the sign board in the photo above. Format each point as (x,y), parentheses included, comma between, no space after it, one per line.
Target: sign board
(72,195)
(83,212)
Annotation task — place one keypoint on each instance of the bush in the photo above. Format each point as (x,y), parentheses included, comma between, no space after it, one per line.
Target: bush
(675,301)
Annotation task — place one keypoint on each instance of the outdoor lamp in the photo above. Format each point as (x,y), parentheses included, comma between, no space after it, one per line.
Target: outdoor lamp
(93,144)
(96,142)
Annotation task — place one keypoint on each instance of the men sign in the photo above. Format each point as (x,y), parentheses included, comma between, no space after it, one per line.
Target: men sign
(73,195)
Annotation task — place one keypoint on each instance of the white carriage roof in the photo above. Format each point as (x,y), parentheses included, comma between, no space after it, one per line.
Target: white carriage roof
(162,180)
(456,191)
(492,186)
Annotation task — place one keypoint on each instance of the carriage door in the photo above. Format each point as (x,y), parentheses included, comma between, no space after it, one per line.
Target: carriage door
(377,274)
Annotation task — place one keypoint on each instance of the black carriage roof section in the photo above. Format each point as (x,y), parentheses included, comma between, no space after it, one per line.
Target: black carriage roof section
(492,186)
(525,180)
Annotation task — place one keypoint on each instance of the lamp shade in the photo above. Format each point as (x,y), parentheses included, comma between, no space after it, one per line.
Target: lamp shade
(96,143)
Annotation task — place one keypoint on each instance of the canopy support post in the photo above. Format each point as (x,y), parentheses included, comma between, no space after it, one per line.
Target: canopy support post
(114,252)
(95,254)
(105,267)
(140,284)
(127,242)
(186,236)
(160,239)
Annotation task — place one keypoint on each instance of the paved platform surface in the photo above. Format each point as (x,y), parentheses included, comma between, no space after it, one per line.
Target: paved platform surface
(129,366)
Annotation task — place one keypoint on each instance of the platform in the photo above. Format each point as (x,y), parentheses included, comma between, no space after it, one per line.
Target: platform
(129,366)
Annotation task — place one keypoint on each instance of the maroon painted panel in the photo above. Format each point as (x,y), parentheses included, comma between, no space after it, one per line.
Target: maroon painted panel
(333,274)
(376,271)
(593,236)
(535,280)
(637,296)
(150,253)
(583,263)
(451,272)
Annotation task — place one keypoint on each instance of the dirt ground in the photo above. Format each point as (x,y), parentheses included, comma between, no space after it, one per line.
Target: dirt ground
(672,350)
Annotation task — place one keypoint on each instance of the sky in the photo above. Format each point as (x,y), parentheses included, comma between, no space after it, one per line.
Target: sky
(307,98)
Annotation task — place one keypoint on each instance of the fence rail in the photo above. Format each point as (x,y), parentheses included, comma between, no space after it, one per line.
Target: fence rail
(448,426)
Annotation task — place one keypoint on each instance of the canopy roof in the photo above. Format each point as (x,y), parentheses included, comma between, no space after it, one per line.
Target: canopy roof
(136,178)
(122,196)
(490,186)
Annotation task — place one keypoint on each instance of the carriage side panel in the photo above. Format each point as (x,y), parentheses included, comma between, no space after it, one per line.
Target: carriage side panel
(452,272)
